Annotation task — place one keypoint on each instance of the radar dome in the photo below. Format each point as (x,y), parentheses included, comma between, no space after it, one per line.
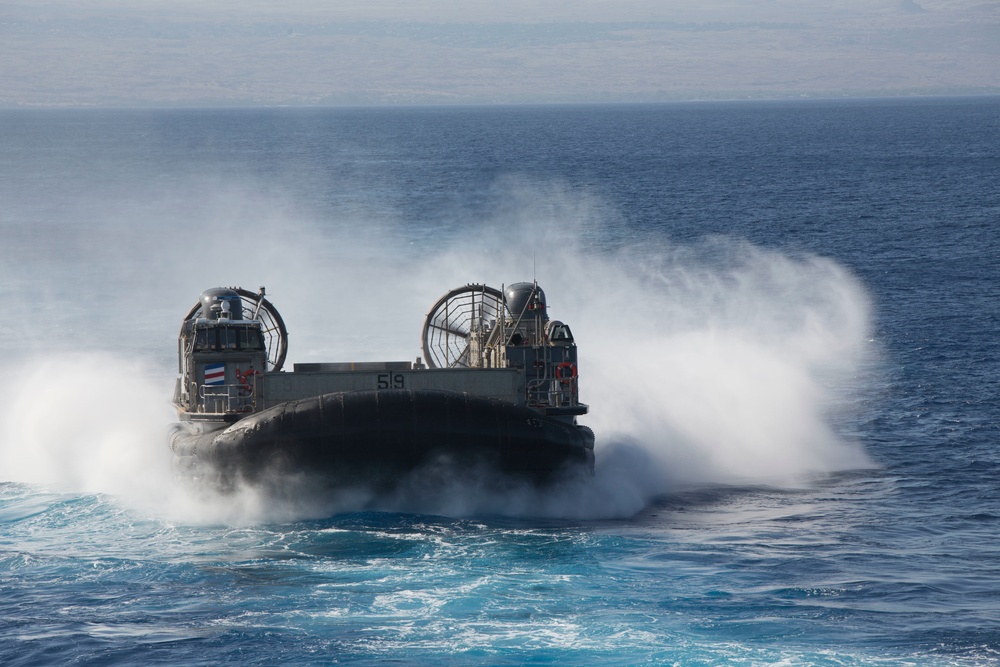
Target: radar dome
(221,302)
(525,299)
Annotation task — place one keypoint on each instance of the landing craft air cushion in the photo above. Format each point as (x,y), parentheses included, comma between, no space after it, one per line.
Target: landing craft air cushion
(499,389)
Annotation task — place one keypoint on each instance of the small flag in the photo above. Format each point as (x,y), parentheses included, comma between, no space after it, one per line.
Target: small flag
(215,374)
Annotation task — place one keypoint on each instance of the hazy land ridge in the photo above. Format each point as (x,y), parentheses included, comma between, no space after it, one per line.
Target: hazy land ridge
(161,54)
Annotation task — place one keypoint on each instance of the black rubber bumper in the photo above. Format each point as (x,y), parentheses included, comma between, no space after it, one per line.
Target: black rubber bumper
(383,433)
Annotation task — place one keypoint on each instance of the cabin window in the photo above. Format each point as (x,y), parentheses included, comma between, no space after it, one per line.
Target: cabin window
(204,340)
(561,332)
(228,338)
(250,339)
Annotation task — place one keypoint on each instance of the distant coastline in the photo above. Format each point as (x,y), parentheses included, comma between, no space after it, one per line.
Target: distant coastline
(62,55)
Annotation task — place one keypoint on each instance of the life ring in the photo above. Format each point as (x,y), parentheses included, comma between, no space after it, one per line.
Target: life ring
(245,387)
(562,376)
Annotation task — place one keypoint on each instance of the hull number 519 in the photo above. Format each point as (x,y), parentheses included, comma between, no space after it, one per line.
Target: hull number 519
(391,381)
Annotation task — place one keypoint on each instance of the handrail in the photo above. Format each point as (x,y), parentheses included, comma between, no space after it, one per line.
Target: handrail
(226,398)
(540,391)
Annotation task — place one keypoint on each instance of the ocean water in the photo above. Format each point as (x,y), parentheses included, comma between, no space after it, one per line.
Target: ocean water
(787,316)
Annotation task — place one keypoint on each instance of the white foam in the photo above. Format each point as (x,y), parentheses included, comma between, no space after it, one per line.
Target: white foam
(716,361)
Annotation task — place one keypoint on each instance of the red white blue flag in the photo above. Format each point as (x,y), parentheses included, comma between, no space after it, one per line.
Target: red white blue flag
(215,374)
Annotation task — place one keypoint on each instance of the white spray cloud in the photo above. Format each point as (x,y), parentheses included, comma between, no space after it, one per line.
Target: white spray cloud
(84,422)
(721,361)
(711,362)
(726,365)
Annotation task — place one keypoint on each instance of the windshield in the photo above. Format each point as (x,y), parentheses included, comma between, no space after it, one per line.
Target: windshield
(228,338)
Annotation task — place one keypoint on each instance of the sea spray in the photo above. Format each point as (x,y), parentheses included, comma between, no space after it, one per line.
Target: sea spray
(710,362)
(86,422)
(726,364)
(715,361)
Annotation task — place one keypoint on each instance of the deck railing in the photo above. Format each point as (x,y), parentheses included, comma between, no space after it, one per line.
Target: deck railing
(225,398)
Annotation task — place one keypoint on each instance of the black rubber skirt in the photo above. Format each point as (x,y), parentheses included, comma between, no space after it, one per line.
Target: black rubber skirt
(382,434)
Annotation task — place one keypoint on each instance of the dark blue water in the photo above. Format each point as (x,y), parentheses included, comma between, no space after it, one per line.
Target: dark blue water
(787,316)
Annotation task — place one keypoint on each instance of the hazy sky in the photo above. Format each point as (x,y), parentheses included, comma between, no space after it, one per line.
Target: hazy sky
(306,52)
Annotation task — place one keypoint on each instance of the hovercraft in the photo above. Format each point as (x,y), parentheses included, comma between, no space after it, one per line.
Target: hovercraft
(497,386)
